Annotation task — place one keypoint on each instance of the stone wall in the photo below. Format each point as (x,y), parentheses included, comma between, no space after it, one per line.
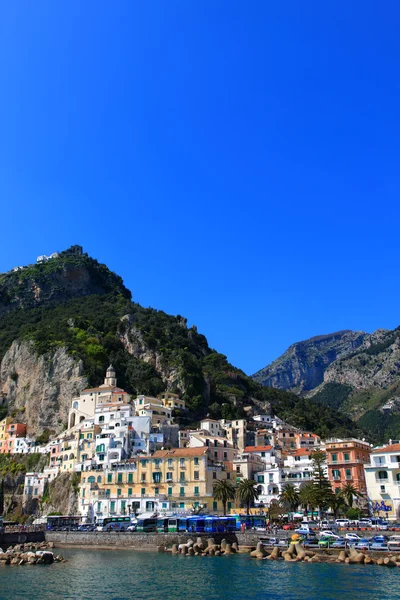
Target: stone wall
(140,541)
(10,539)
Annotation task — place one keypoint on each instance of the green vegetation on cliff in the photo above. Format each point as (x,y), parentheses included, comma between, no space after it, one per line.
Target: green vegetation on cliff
(98,323)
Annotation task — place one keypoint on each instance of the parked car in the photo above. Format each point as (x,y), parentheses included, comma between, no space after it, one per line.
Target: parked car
(394,543)
(339,543)
(364,543)
(364,523)
(352,537)
(342,523)
(304,530)
(131,528)
(310,542)
(330,534)
(289,526)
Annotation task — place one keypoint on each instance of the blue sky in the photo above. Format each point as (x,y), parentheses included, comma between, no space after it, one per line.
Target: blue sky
(236,163)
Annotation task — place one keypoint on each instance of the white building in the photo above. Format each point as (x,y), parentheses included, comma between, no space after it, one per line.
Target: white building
(382,476)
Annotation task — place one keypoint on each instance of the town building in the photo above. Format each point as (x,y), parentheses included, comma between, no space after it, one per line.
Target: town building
(346,459)
(383,481)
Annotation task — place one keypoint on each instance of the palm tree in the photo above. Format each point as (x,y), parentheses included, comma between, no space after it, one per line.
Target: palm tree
(247,493)
(224,492)
(289,496)
(307,496)
(337,503)
(349,492)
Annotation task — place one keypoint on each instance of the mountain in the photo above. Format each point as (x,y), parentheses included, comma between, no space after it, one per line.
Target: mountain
(302,367)
(355,373)
(64,320)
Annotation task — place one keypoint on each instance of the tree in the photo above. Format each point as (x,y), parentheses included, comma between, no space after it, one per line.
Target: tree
(224,492)
(275,511)
(322,488)
(1,496)
(289,496)
(307,496)
(246,493)
(337,504)
(349,492)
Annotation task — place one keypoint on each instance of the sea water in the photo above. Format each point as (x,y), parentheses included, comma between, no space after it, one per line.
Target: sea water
(127,575)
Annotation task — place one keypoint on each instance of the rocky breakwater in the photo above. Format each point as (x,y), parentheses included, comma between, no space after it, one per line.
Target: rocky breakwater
(29,554)
(202,547)
(297,553)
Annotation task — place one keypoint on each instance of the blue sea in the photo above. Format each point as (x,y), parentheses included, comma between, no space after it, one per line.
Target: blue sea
(127,575)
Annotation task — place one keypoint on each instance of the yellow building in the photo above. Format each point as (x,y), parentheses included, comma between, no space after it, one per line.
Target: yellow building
(172,401)
(177,479)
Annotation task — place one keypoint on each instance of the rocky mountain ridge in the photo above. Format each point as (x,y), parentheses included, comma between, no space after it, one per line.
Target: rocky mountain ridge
(302,367)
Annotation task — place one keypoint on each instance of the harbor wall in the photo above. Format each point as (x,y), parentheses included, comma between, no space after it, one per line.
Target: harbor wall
(141,541)
(10,539)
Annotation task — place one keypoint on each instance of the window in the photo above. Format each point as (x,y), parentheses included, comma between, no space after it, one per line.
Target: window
(170,462)
(225,455)
(119,479)
(143,479)
(99,479)
(182,491)
(83,492)
(383,488)
(109,478)
(346,456)
(263,454)
(143,491)
(130,477)
(181,476)
(181,462)
(214,475)
(334,457)
(215,505)
(196,475)
(169,476)
(260,478)
(99,507)
(91,479)
(170,491)
(348,473)
(229,506)
(112,507)
(156,491)
(119,492)
(336,473)
(108,492)
(181,505)
(157,477)
(129,491)
(123,506)
(196,490)
(143,463)
(196,461)
(382,475)
(270,477)
(101,457)
(101,419)
(100,448)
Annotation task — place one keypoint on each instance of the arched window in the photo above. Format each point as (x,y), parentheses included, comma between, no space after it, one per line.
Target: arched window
(382,475)
(81,419)
(91,479)
(65,457)
(71,456)
(75,405)
(117,424)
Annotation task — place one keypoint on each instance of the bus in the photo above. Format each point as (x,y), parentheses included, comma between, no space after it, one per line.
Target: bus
(215,524)
(146,525)
(63,522)
(167,524)
(251,521)
(115,524)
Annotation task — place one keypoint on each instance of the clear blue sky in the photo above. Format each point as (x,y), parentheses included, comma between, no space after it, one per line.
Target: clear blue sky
(236,163)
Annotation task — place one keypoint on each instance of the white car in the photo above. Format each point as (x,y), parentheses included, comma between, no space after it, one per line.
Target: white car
(352,537)
(326,534)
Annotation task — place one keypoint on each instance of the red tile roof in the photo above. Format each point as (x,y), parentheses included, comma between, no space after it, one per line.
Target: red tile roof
(392,448)
(181,452)
(258,448)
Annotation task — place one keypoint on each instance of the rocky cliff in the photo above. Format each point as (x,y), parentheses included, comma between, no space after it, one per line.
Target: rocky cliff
(302,367)
(39,388)
(64,321)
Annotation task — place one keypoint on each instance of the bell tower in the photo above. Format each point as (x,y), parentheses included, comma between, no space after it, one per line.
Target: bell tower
(110,380)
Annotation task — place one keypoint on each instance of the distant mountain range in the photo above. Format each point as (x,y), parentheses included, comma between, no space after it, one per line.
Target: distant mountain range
(351,371)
